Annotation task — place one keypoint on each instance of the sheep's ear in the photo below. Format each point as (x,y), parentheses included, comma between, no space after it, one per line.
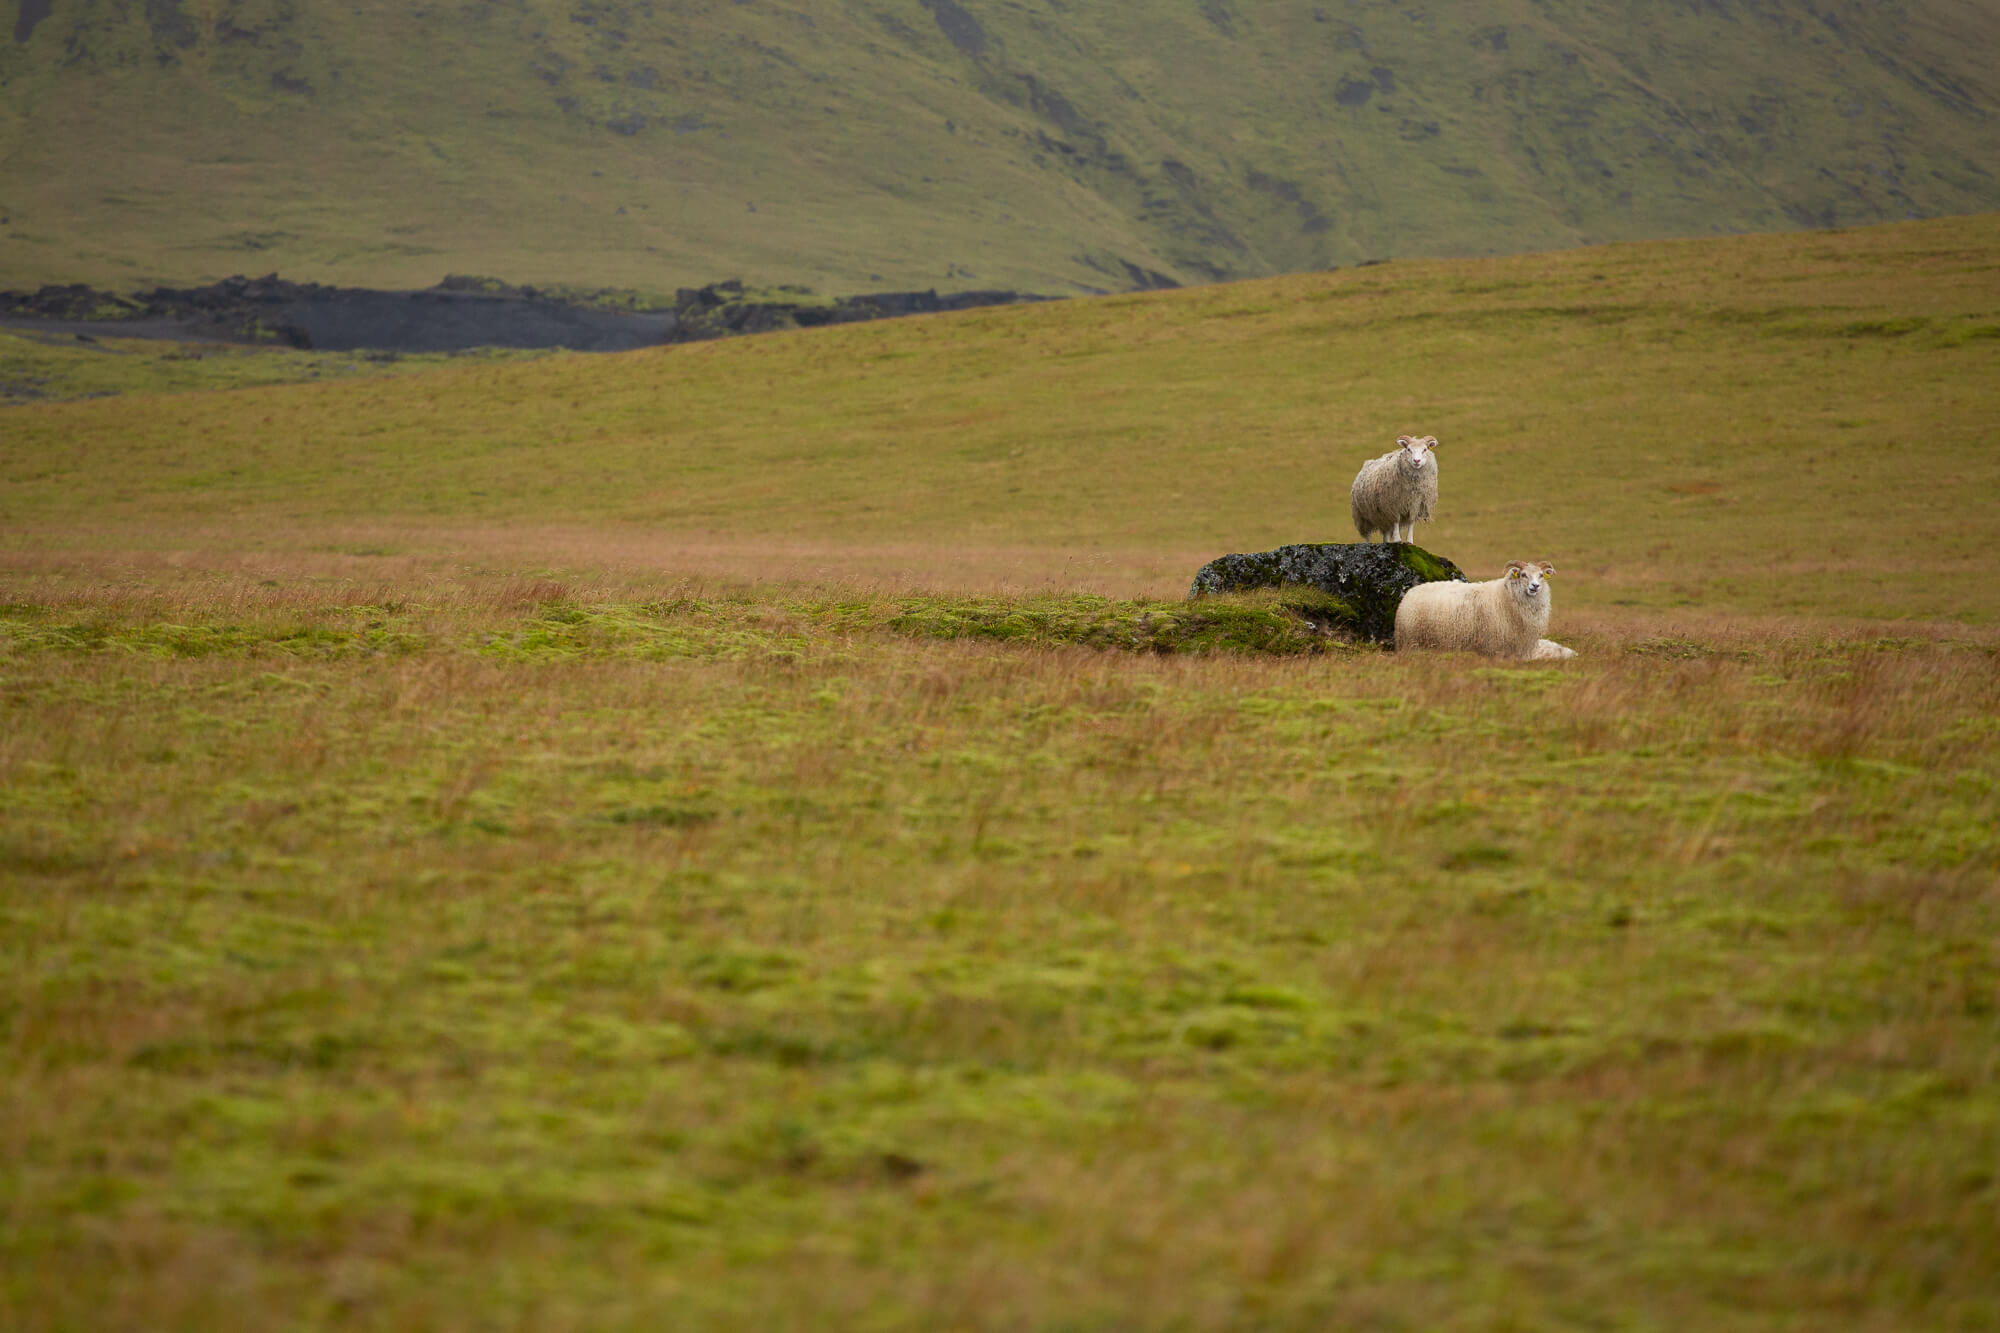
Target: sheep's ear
(1403,441)
(1515,567)
(1547,569)
(1430,441)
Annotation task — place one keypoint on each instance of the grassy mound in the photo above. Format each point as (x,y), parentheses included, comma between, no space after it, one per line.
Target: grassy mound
(1359,584)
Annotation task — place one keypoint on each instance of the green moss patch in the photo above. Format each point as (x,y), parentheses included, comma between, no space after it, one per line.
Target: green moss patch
(1260,624)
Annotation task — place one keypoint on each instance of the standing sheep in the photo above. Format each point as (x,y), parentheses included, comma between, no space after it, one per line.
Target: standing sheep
(1503,617)
(1393,492)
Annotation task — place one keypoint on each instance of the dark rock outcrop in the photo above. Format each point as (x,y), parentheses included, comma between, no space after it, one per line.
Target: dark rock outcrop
(723,309)
(1357,584)
(459,313)
(308,315)
(31,13)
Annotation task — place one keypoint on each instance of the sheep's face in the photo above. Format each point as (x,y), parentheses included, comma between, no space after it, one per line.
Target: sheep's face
(1417,452)
(1527,579)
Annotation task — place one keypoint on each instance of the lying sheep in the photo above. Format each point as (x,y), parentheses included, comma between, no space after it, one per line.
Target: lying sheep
(1393,492)
(1503,617)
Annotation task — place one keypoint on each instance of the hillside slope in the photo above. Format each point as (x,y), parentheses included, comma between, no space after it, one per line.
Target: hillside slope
(864,144)
(1770,425)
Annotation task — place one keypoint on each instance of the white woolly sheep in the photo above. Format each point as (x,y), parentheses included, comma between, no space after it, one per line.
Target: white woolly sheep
(1391,494)
(1503,617)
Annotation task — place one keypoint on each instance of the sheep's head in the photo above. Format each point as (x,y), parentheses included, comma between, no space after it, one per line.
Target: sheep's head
(1418,451)
(1528,578)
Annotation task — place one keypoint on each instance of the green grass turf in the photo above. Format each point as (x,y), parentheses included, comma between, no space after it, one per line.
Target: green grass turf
(452,963)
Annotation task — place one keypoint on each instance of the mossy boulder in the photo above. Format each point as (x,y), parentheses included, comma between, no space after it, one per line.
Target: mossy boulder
(1360,583)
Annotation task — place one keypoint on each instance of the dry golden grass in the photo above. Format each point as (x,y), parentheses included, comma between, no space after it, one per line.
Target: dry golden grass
(349,559)
(1778,425)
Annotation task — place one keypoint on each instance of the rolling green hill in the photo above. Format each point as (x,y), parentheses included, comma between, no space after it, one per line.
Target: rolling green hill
(1044,146)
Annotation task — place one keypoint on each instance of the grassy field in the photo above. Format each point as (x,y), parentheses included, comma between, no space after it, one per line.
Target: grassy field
(866,145)
(747,835)
(1768,425)
(36,365)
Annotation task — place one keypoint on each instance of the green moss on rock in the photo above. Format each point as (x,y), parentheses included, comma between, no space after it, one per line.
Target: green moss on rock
(1361,583)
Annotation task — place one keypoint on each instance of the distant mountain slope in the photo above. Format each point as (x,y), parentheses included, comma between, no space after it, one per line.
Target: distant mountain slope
(1040,145)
